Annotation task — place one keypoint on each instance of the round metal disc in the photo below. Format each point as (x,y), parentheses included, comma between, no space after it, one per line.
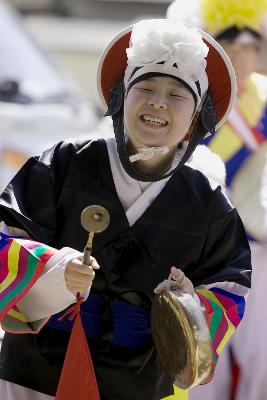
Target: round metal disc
(182,338)
(95,219)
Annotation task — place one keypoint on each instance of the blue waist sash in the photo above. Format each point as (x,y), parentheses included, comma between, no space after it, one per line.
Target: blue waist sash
(130,323)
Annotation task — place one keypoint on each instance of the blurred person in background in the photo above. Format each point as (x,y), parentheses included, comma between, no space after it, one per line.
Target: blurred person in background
(240,27)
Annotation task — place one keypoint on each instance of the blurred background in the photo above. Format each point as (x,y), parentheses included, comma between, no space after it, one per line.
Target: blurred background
(49,51)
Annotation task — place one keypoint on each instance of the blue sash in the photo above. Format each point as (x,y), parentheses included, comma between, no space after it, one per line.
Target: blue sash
(131,324)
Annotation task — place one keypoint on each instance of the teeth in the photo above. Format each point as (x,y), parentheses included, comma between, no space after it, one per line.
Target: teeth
(155,120)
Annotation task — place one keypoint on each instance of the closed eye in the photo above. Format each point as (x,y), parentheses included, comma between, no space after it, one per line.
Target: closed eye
(142,88)
(146,90)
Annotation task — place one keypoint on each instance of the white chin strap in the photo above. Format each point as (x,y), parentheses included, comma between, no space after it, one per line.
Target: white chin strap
(145,153)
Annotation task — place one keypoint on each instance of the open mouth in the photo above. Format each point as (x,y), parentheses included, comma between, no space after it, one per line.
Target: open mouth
(153,121)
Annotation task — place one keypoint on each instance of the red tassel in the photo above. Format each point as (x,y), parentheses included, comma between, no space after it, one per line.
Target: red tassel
(77,380)
(74,310)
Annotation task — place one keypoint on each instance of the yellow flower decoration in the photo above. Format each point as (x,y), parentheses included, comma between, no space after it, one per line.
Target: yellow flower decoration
(222,14)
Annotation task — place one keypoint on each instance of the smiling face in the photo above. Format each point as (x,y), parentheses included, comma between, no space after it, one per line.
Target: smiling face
(158,112)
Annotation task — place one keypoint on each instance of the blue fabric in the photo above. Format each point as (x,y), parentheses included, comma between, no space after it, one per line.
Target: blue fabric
(239,300)
(91,311)
(236,162)
(263,123)
(131,324)
(4,239)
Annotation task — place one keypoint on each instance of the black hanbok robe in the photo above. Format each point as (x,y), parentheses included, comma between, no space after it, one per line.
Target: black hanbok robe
(189,225)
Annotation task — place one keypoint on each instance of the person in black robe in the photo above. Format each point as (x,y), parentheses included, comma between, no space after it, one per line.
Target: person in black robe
(165,89)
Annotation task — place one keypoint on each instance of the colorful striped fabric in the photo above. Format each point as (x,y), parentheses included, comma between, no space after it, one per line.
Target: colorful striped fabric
(21,263)
(224,312)
(227,143)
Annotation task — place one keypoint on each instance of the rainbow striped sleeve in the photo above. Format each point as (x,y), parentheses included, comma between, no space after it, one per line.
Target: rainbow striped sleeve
(224,311)
(21,263)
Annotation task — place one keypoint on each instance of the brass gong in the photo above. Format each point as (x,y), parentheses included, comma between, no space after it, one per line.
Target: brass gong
(182,339)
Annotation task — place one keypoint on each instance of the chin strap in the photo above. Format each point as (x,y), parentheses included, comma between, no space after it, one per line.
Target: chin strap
(145,153)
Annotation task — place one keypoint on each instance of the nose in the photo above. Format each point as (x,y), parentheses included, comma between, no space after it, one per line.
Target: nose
(158,101)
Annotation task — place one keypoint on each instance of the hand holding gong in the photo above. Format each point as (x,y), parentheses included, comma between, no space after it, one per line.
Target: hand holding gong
(180,332)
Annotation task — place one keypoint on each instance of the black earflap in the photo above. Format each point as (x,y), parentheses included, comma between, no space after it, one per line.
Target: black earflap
(208,114)
(205,123)
(116,98)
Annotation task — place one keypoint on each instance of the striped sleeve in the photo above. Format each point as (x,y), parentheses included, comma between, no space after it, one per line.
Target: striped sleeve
(21,263)
(224,305)
(224,311)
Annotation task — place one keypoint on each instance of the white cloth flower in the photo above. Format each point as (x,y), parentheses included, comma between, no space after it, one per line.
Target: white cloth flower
(170,42)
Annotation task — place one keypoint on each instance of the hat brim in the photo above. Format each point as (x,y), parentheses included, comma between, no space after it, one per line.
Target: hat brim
(221,75)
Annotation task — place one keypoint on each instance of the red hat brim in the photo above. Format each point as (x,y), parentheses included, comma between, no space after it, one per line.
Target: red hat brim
(221,75)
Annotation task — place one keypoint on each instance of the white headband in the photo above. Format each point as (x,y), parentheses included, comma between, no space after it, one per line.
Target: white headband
(171,48)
